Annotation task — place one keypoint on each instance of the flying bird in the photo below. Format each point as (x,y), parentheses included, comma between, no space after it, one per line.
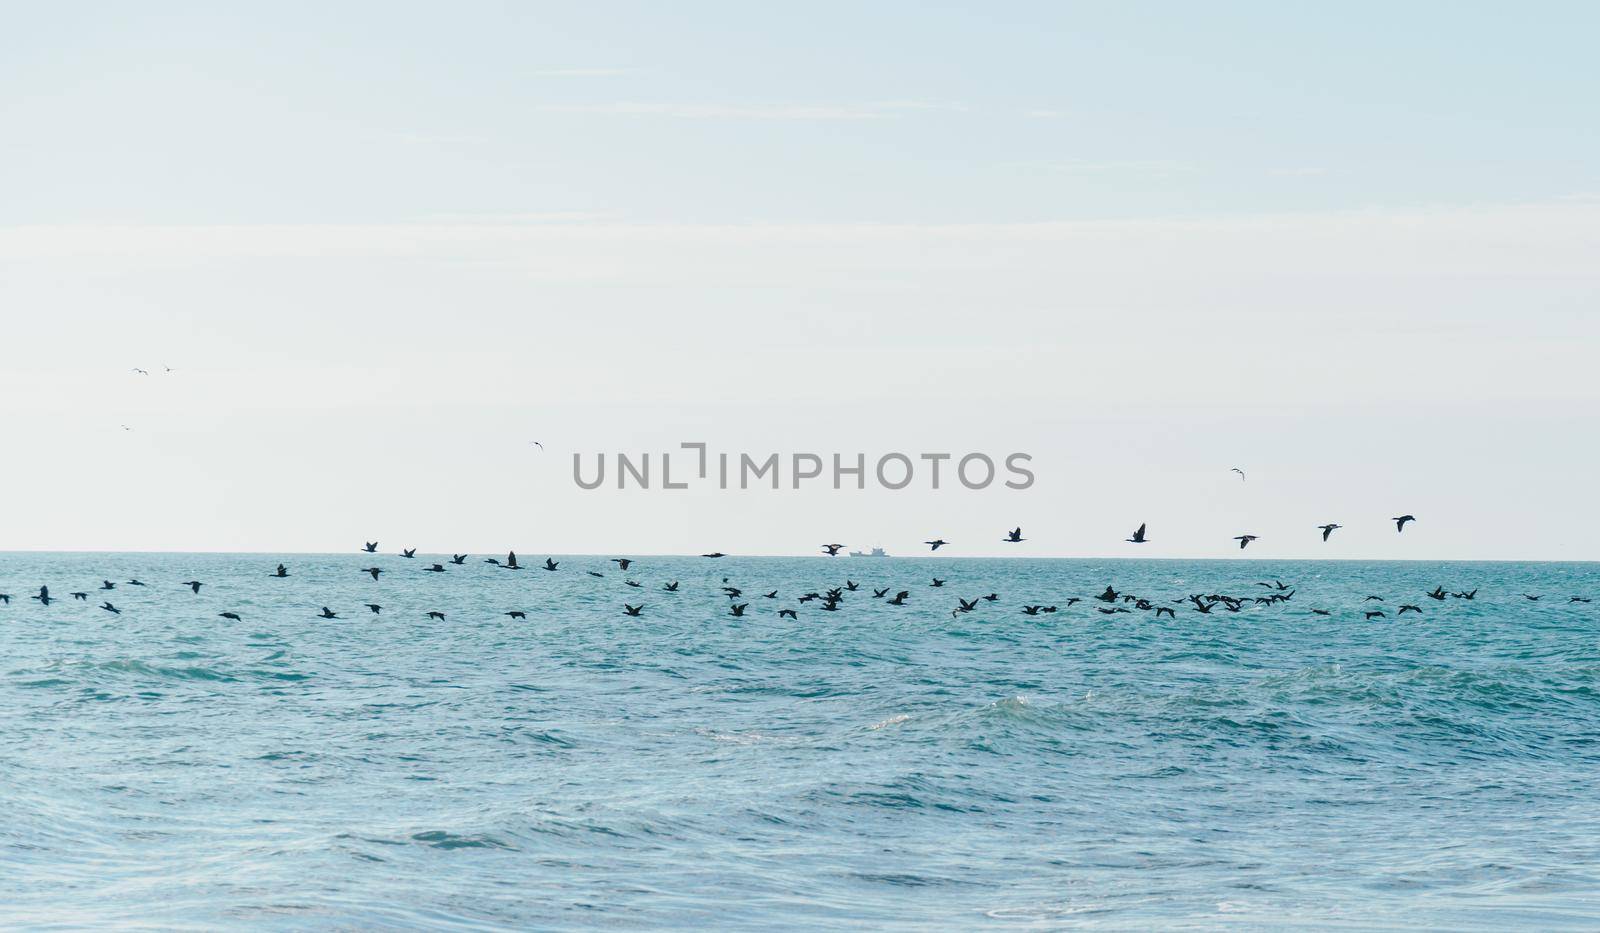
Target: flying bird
(936,544)
(458,559)
(194,585)
(1240,472)
(788,614)
(635,610)
(231,616)
(409,552)
(329,613)
(374,608)
(621,562)
(517,614)
(832,549)
(1400,521)
(371,547)
(282,571)
(372,570)
(1014,536)
(1244,540)
(436,615)
(737,608)
(1138,536)
(110,608)
(714,554)
(1328,529)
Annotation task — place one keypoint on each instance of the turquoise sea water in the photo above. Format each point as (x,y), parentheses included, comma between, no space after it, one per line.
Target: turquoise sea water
(876,766)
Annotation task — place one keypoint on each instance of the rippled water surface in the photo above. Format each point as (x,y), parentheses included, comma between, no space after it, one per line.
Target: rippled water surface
(876,766)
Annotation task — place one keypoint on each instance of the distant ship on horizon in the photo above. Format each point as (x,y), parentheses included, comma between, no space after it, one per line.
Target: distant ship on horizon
(875,552)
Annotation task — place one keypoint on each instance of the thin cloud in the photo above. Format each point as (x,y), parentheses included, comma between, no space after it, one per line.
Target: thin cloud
(1148,168)
(581,72)
(701,111)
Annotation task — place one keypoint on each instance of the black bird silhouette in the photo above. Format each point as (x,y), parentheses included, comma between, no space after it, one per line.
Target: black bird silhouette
(374,608)
(1244,540)
(737,608)
(936,544)
(1138,536)
(194,585)
(621,562)
(635,610)
(991,597)
(371,547)
(1014,536)
(80,597)
(714,554)
(1328,529)
(517,614)
(1578,599)
(5,598)
(233,616)
(511,562)
(1376,614)
(43,597)
(832,549)
(1321,612)
(329,613)
(1532,598)
(788,614)
(1470,594)
(1400,521)
(672,587)
(937,582)
(282,571)
(1031,610)
(594,573)
(1407,607)
(1372,599)
(1240,472)
(878,594)
(900,598)
(436,615)
(965,605)
(1167,610)
(1109,596)
(436,568)
(372,570)
(108,585)
(772,595)
(135,583)
(492,560)
(408,552)
(551,564)
(458,559)
(732,591)
(111,609)
(1437,592)
(632,583)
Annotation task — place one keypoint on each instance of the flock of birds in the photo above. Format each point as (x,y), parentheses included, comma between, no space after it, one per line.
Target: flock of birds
(829,599)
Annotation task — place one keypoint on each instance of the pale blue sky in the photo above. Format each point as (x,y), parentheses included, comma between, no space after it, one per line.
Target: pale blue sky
(1349,248)
(694,112)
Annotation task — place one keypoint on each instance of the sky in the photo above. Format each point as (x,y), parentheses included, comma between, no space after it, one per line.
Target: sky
(384,247)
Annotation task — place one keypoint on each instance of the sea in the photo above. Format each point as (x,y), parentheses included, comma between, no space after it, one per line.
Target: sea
(872,766)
